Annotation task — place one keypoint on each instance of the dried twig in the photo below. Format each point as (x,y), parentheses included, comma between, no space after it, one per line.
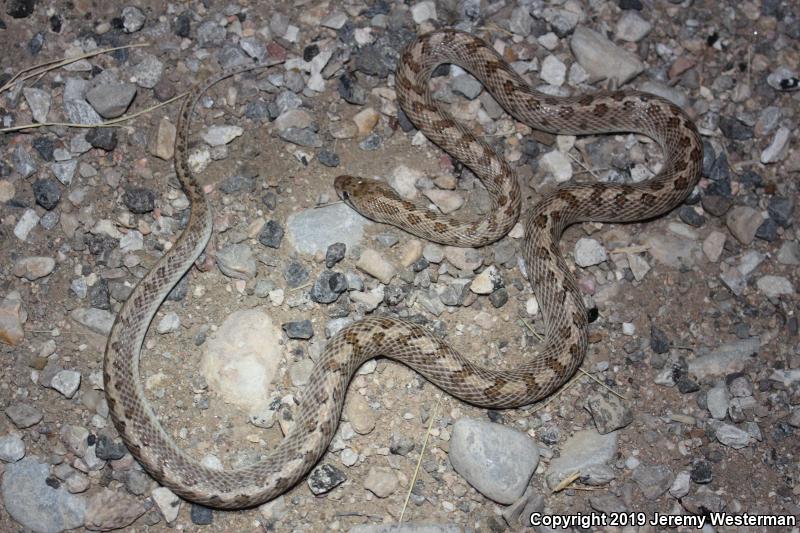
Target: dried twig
(58,63)
(419,461)
(107,124)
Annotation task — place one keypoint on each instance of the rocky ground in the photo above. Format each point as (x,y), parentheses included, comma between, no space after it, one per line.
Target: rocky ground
(688,401)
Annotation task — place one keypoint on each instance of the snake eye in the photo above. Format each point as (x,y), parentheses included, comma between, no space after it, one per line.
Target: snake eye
(345,195)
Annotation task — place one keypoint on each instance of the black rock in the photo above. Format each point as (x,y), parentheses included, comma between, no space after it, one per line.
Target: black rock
(709,158)
(402,119)
(310,52)
(687,385)
(301,329)
(98,295)
(499,297)
(103,138)
(372,142)
(531,148)
(420,264)
(735,129)
(20,8)
(720,188)
(44,146)
(659,342)
(701,471)
(139,199)
(270,200)
(328,158)
(716,205)
(371,61)
(271,235)
(47,193)
(325,478)
(751,179)
(183,24)
(257,110)
(688,215)
(767,231)
(630,4)
(180,290)
(108,450)
(350,91)
(335,253)
(720,170)
(55,24)
(200,515)
(393,295)
(780,209)
(328,287)
(295,274)
(35,44)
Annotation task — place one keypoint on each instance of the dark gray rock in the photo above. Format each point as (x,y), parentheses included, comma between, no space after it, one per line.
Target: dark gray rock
(139,199)
(301,329)
(335,253)
(325,478)
(271,235)
(47,193)
(328,287)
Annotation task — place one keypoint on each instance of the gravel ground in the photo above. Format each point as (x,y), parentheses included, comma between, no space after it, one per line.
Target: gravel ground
(688,402)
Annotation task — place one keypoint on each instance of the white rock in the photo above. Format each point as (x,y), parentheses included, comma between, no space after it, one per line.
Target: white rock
(631,27)
(26,223)
(169,323)
(553,71)
(423,11)
(66,382)
(603,59)
(168,503)
(558,165)
(775,286)
(241,359)
(221,135)
(777,149)
(404,181)
(589,252)
(373,263)
(487,281)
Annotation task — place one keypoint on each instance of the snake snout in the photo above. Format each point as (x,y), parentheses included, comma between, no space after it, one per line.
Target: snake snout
(344,186)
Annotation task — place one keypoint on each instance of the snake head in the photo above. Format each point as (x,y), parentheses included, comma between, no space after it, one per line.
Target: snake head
(363,194)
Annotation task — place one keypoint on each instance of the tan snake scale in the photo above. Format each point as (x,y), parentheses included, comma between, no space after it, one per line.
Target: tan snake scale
(554,285)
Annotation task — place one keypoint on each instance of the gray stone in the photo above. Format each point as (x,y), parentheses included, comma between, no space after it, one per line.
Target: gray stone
(589,252)
(22,161)
(38,102)
(632,27)
(221,135)
(167,502)
(743,222)
(730,435)
(237,261)
(775,286)
(111,100)
(12,448)
(23,415)
(603,59)
(97,320)
(36,505)
(582,450)
(66,382)
(64,171)
(210,33)
(717,402)
(497,460)
(148,71)
(132,19)
(608,412)
(653,480)
(313,230)
(789,254)
(727,358)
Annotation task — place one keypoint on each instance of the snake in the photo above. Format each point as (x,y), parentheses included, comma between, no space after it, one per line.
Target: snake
(564,314)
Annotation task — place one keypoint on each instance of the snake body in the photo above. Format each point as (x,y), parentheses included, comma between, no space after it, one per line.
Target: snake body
(564,315)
